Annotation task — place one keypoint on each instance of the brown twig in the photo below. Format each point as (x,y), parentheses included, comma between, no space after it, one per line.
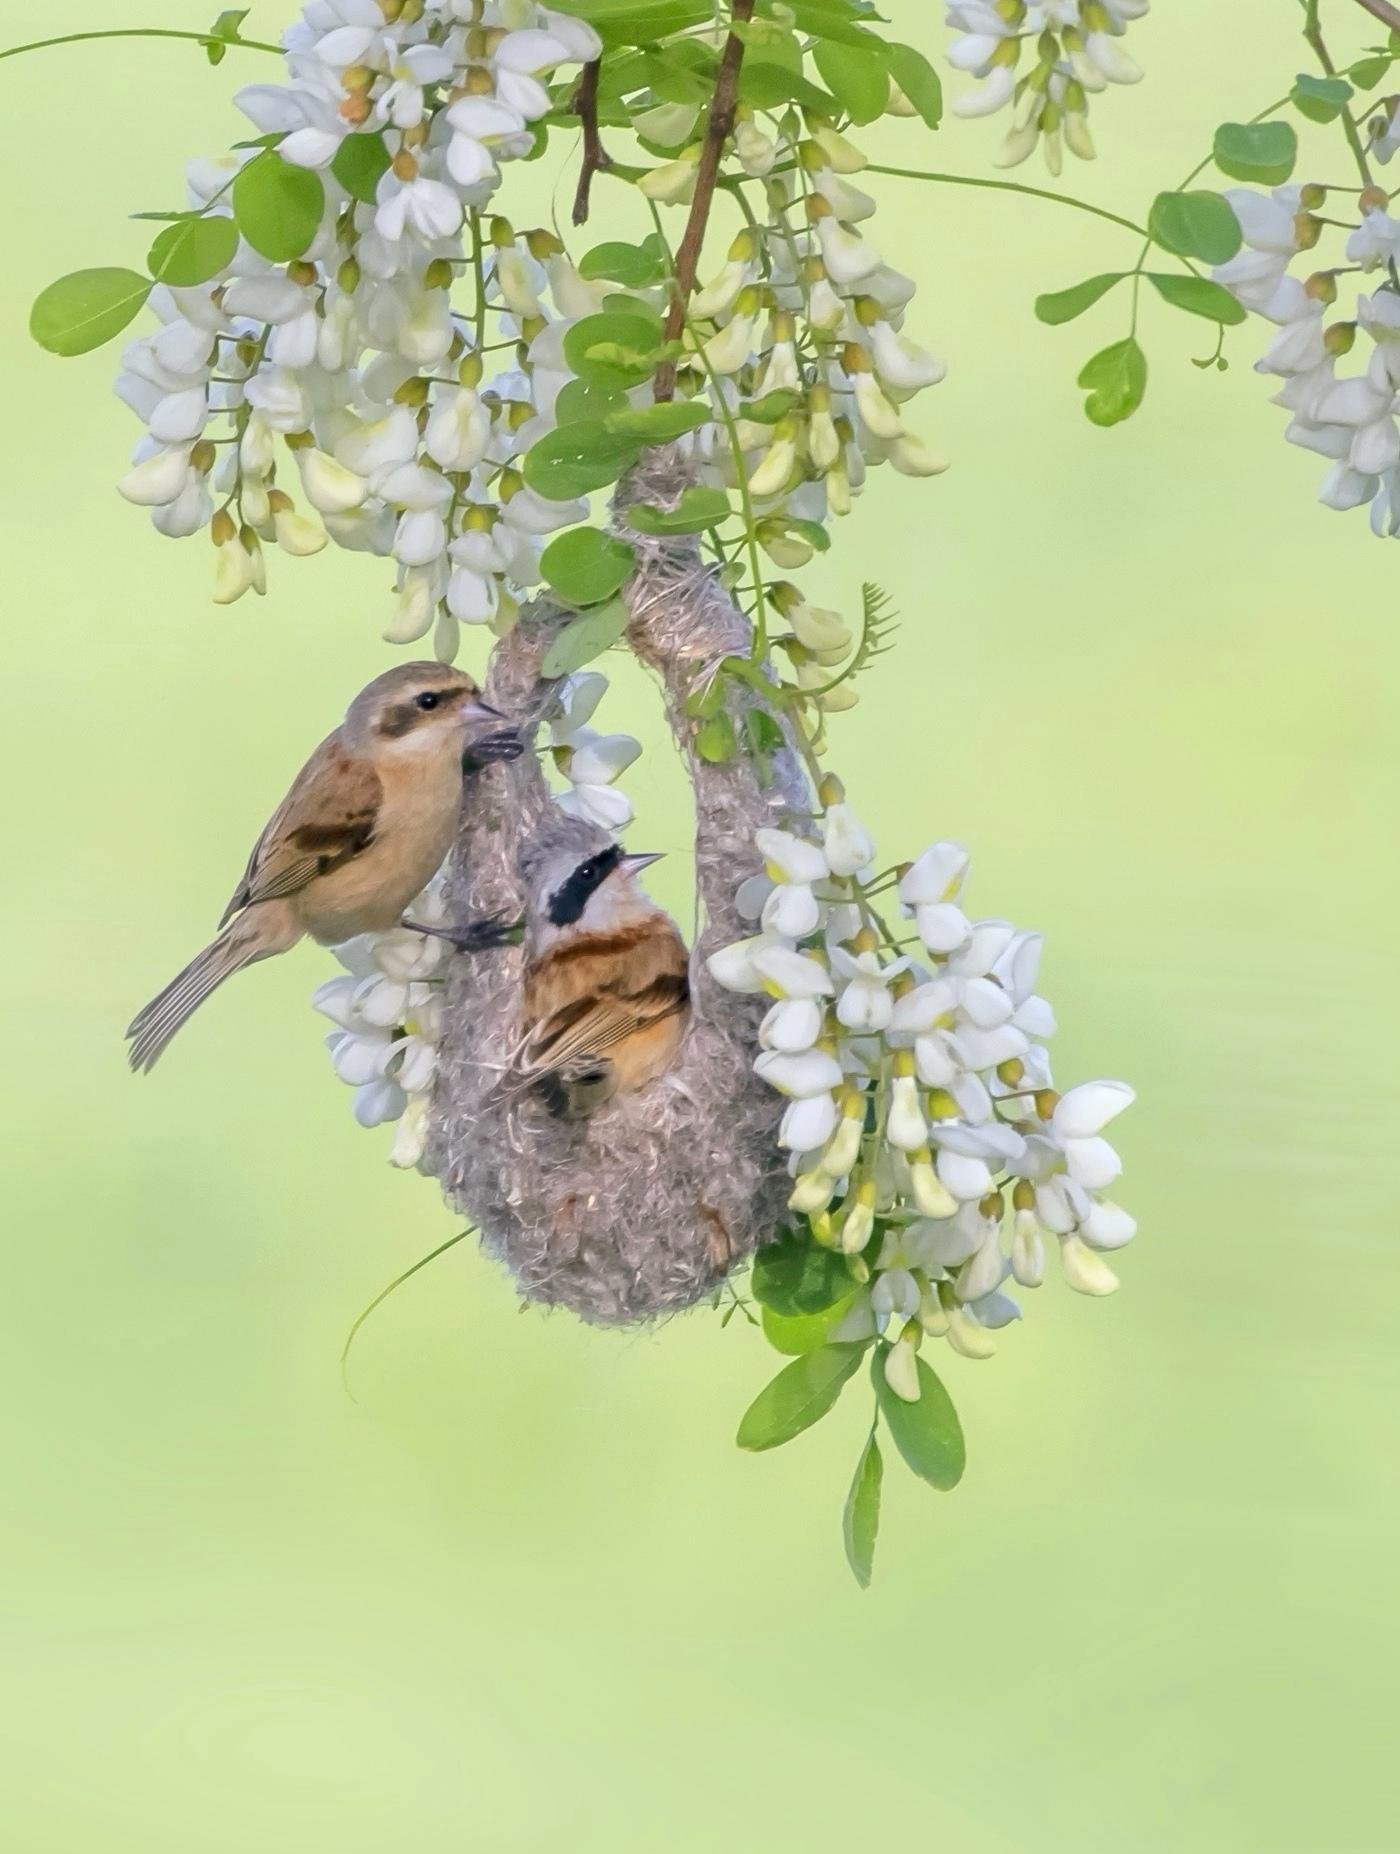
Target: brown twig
(1383,11)
(595,156)
(717,130)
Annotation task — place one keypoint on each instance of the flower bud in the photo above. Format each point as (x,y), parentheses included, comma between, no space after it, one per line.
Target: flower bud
(902,1366)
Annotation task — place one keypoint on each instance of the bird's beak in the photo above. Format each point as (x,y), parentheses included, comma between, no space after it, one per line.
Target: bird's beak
(635,862)
(478,710)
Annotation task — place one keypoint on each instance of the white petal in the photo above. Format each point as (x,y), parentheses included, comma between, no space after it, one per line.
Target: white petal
(1085,1110)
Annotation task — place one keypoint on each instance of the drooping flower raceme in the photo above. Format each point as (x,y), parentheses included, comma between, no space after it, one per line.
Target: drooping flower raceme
(1347,415)
(926,1139)
(1077,50)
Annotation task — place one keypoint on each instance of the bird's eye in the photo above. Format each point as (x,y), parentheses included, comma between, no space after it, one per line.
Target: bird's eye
(427,701)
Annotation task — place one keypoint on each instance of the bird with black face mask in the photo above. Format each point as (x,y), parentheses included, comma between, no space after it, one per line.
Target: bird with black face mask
(606,987)
(368,822)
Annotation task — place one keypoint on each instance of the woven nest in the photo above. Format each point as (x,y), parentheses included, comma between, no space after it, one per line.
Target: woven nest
(645,1207)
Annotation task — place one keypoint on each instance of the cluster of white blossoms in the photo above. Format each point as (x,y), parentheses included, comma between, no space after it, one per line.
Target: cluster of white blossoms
(800,329)
(927,1142)
(1348,417)
(387,1009)
(398,421)
(1077,51)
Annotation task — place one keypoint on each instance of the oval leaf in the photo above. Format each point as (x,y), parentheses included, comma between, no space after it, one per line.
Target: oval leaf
(799,1396)
(1198,296)
(861,1521)
(697,510)
(617,349)
(634,265)
(855,76)
(192,251)
(716,742)
(576,458)
(278,207)
(927,1433)
(587,637)
(361,162)
(86,308)
(1320,99)
(585,565)
(1198,225)
(657,424)
(1115,379)
(1064,305)
(1262,153)
(807,1331)
(918,80)
(796,1277)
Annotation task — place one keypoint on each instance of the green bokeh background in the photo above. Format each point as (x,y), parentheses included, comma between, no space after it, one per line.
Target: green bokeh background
(525,1593)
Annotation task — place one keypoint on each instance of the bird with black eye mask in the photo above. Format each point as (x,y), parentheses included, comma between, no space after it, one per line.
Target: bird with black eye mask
(368,822)
(606,986)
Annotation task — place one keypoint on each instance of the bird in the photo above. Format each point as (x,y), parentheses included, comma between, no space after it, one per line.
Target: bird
(367,823)
(606,985)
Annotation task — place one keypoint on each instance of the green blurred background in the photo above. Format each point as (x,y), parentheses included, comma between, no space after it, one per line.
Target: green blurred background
(525,1593)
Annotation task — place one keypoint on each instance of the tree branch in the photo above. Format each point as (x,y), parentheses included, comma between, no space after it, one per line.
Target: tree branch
(595,156)
(1383,11)
(717,129)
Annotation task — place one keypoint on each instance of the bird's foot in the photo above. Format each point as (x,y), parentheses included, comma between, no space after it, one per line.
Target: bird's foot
(482,936)
(491,748)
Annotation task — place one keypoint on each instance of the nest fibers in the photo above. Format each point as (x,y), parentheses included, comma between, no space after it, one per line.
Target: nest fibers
(646,1206)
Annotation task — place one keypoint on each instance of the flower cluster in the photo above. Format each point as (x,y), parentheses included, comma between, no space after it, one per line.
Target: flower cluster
(386,1010)
(800,331)
(1077,52)
(1347,417)
(927,1142)
(348,369)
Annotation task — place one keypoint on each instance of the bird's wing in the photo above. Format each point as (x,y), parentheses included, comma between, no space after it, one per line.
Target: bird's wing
(328,817)
(589,1027)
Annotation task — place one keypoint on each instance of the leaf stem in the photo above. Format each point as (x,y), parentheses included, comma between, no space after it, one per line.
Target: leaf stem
(1012,186)
(142,32)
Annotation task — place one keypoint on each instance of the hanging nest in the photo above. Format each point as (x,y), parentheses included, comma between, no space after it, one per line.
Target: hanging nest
(646,1206)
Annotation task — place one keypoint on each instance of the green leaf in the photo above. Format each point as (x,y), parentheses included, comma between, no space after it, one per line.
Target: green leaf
(613,348)
(658,424)
(772,406)
(766,81)
(804,1332)
(1199,225)
(855,76)
(697,510)
(278,207)
(833,19)
(1198,296)
(1320,99)
(765,736)
(918,80)
(1115,379)
(1064,305)
(226,27)
(584,565)
(585,638)
(634,265)
(796,1276)
(1262,153)
(1366,73)
(812,532)
(192,251)
(360,163)
(641,22)
(716,742)
(578,458)
(927,1433)
(860,1523)
(578,399)
(799,1396)
(81,311)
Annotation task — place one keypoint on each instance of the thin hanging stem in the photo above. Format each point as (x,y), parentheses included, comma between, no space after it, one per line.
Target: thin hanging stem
(384,1294)
(143,32)
(1011,186)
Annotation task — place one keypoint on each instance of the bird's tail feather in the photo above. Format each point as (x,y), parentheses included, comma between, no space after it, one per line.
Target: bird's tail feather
(152,1028)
